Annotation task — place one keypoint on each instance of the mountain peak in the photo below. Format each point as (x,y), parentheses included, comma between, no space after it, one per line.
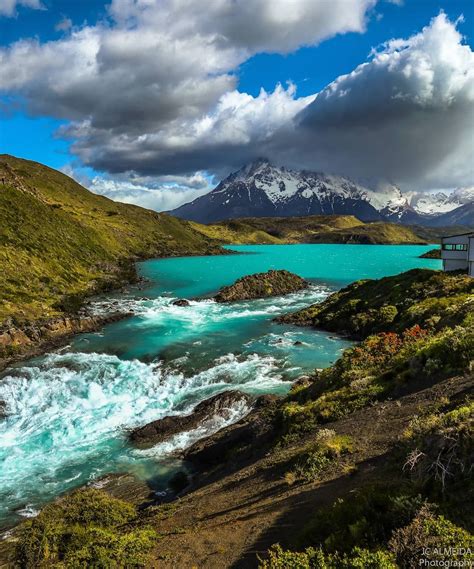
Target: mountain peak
(261,189)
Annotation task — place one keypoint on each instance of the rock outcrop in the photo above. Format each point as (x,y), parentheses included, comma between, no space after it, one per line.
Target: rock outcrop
(245,437)
(262,285)
(29,341)
(431,254)
(163,429)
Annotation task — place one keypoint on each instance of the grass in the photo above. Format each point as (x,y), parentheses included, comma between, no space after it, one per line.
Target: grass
(59,241)
(309,229)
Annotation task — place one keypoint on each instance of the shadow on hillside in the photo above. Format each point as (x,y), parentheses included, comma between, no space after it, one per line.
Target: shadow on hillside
(301,506)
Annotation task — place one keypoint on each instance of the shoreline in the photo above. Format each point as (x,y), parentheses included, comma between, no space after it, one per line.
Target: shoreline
(69,326)
(36,338)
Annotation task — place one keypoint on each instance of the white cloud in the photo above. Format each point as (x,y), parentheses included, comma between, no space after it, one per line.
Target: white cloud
(159,193)
(154,92)
(64,25)
(407,115)
(224,138)
(159,198)
(8,8)
(160,64)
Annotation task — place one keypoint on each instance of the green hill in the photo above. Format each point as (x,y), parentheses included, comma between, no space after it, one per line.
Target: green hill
(58,241)
(309,229)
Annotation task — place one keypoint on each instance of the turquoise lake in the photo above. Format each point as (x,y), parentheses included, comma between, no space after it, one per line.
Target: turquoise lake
(68,412)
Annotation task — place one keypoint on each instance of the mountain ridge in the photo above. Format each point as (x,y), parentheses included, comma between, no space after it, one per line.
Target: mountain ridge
(260,189)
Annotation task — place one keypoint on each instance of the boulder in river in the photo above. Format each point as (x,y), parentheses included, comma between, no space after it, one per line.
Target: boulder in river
(180,302)
(262,285)
(163,429)
(240,440)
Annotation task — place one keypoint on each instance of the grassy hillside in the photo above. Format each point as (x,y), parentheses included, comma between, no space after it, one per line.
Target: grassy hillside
(310,229)
(417,297)
(58,240)
(237,232)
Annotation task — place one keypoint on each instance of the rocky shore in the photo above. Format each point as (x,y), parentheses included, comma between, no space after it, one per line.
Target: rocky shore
(18,343)
(431,254)
(262,285)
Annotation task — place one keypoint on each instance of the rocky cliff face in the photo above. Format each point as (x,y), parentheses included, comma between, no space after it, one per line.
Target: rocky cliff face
(19,342)
(262,285)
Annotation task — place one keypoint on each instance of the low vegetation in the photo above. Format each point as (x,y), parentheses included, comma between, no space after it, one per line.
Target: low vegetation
(86,529)
(423,501)
(326,449)
(309,229)
(430,299)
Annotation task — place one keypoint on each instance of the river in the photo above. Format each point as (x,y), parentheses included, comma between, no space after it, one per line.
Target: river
(67,413)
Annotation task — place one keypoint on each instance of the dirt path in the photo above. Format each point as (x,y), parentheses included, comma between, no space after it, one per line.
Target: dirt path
(227,523)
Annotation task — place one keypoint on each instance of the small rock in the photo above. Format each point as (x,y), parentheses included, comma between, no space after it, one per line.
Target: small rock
(297,343)
(180,302)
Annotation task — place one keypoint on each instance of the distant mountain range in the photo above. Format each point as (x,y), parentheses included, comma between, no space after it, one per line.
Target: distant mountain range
(261,189)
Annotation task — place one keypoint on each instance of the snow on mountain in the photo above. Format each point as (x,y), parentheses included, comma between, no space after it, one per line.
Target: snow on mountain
(261,189)
(441,202)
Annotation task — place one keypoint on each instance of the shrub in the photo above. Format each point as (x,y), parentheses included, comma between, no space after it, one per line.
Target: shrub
(88,528)
(327,448)
(279,558)
(435,533)
(440,446)
(365,519)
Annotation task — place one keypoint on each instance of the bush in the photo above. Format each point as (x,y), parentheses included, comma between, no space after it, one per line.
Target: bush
(440,447)
(327,448)
(365,519)
(88,528)
(440,537)
(279,558)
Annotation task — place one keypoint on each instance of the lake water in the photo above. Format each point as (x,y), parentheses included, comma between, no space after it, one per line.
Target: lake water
(68,412)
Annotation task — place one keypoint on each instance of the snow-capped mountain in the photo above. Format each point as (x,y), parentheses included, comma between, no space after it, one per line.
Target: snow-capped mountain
(261,189)
(439,203)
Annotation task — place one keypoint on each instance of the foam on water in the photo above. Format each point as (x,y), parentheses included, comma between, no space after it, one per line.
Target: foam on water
(67,417)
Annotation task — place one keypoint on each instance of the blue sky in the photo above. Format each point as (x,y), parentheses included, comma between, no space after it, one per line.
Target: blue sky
(30,129)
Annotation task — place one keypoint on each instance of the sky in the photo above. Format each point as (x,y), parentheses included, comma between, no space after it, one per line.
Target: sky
(154,101)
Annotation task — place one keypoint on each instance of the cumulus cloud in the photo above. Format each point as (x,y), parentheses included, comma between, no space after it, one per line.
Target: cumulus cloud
(407,115)
(8,8)
(158,65)
(163,60)
(154,91)
(160,193)
(224,138)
